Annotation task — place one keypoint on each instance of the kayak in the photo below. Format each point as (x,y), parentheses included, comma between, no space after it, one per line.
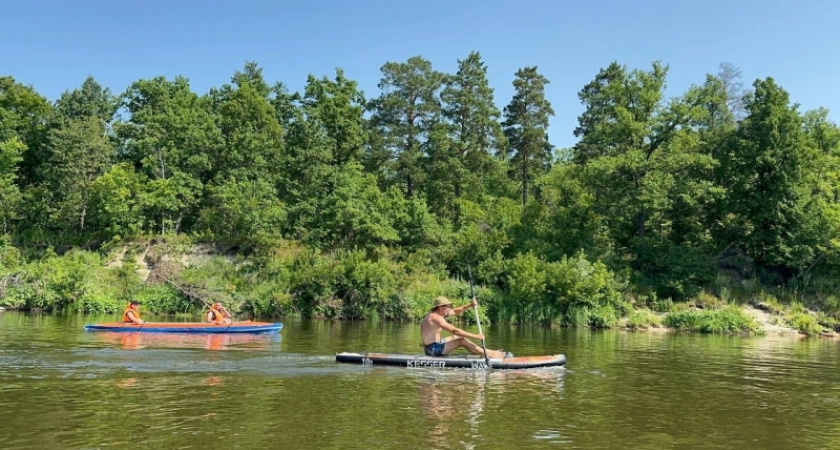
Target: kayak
(189,327)
(451,361)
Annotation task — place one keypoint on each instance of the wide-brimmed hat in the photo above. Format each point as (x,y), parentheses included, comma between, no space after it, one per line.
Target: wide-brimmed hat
(135,302)
(441,301)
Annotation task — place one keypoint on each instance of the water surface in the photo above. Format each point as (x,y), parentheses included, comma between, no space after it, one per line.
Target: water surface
(64,388)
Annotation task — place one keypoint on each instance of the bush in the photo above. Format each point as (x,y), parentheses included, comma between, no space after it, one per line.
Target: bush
(643,319)
(704,300)
(164,298)
(572,292)
(771,303)
(728,319)
(805,323)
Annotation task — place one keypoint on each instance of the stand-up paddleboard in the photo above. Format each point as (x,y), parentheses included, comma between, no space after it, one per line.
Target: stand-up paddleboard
(452,361)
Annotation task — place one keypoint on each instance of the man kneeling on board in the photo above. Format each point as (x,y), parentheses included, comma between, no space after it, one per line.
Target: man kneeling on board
(435,321)
(218,314)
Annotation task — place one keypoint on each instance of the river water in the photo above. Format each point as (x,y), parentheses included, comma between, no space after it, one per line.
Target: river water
(64,388)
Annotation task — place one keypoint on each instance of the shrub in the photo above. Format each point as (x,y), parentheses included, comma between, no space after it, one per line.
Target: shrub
(704,300)
(805,323)
(643,319)
(572,291)
(728,319)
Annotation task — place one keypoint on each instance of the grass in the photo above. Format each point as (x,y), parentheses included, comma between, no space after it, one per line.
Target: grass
(729,319)
(643,319)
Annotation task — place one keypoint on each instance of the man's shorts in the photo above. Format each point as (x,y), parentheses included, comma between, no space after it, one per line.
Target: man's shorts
(435,348)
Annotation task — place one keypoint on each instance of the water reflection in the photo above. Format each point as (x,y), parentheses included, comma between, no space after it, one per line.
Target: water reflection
(455,402)
(208,341)
(62,387)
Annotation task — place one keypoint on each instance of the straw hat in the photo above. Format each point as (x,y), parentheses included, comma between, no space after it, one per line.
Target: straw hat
(441,301)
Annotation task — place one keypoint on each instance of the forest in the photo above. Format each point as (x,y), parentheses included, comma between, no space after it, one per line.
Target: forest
(331,203)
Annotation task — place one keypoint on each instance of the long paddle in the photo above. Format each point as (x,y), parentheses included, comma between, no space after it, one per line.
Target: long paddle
(477,319)
(231,319)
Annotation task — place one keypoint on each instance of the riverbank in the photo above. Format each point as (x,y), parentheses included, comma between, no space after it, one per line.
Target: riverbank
(764,320)
(178,276)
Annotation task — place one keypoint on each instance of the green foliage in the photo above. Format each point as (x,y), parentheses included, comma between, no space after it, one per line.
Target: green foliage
(461,149)
(773,304)
(633,146)
(250,130)
(831,305)
(59,283)
(485,231)
(80,152)
(572,292)
(356,214)
(323,204)
(643,319)
(337,107)
(238,209)
(565,220)
(652,301)
(704,300)
(767,164)
(805,323)
(162,298)
(170,138)
(117,202)
(403,114)
(24,114)
(525,126)
(90,101)
(11,152)
(366,289)
(677,272)
(730,319)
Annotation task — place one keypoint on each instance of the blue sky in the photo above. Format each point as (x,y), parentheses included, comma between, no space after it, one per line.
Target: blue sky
(54,45)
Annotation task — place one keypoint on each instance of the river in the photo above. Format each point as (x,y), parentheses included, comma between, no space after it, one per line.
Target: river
(64,388)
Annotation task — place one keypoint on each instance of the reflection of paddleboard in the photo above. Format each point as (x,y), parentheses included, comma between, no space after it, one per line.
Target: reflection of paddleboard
(457,361)
(189,327)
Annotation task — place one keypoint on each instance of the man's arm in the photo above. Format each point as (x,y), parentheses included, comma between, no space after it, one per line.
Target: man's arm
(134,318)
(455,330)
(459,310)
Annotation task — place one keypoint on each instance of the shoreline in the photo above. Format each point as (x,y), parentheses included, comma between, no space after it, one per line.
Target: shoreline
(769,324)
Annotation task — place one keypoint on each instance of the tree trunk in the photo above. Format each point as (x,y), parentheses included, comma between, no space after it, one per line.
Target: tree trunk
(524,182)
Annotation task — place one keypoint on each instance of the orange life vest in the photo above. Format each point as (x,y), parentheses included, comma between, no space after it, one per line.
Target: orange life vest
(126,318)
(218,316)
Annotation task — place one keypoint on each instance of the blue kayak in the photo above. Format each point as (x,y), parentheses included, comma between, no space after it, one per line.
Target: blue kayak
(189,327)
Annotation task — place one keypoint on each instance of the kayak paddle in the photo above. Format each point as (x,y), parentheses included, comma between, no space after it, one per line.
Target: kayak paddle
(477,320)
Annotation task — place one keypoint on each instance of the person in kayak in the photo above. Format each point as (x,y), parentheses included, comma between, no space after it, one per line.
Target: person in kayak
(131,315)
(218,314)
(435,321)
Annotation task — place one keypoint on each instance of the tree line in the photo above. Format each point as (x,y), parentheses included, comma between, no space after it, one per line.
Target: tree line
(666,195)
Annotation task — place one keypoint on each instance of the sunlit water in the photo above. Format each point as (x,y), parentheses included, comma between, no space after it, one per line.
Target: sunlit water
(64,388)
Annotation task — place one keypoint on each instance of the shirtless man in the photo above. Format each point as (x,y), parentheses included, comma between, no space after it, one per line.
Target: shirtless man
(435,321)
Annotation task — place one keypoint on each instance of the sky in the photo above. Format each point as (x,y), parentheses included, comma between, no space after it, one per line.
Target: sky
(54,45)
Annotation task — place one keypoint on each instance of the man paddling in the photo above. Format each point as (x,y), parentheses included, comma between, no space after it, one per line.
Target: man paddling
(435,321)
